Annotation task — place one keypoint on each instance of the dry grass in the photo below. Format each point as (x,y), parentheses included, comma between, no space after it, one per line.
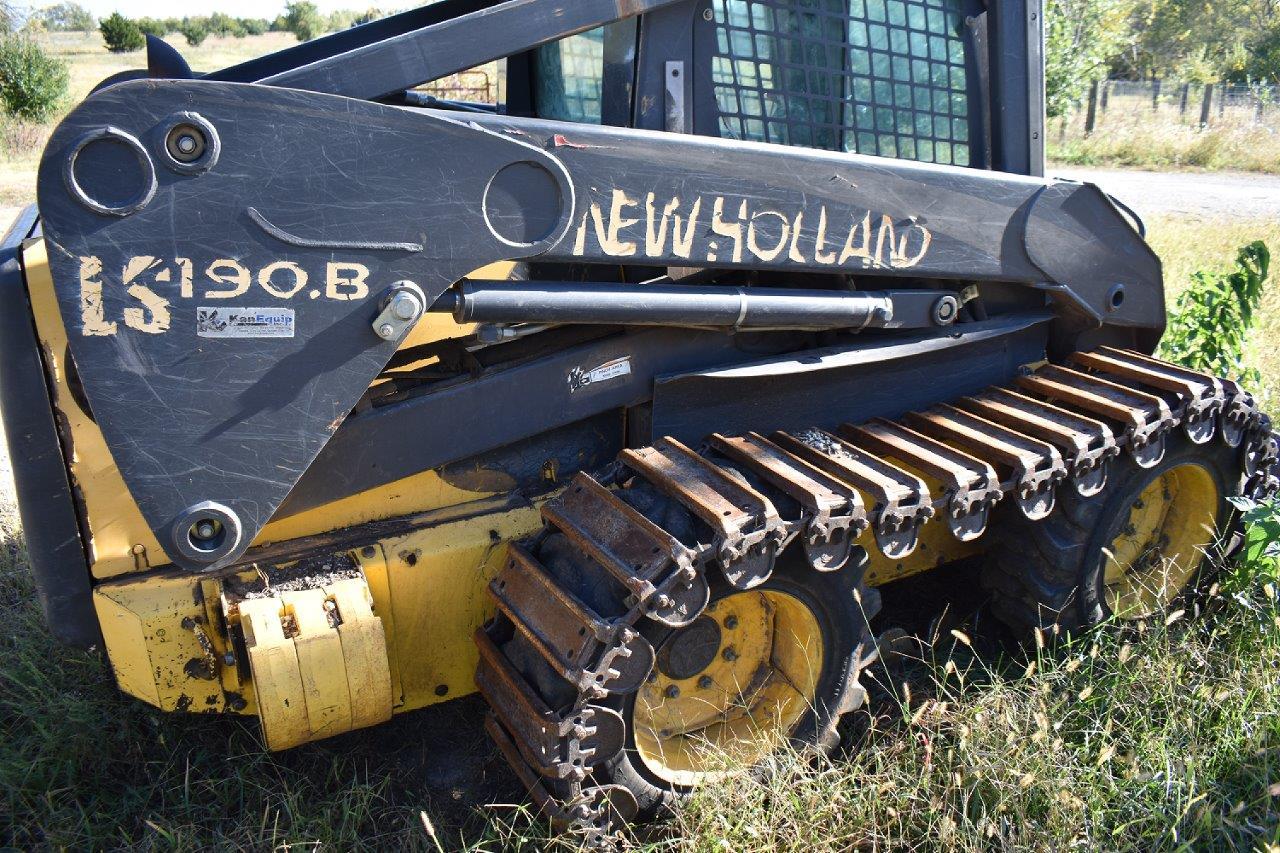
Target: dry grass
(1138,137)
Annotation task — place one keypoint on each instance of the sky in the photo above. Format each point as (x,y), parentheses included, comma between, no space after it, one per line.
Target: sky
(235,8)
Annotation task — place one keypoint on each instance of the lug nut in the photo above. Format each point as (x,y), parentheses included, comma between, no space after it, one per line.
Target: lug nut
(730,655)
(673,692)
(705,681)
(731,622)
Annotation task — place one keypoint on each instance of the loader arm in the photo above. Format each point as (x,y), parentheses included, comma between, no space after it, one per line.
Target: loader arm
(309,210)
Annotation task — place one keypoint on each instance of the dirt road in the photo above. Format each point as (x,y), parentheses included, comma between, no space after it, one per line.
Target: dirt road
(1219,195)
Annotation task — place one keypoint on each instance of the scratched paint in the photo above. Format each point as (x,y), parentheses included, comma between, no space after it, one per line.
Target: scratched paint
(151,284)
(732,230)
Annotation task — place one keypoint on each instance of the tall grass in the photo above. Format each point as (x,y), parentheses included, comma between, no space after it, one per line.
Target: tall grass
(1162,735)
(1150,140)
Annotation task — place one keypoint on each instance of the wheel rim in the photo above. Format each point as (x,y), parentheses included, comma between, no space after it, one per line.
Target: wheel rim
(730,688)
(1168,532)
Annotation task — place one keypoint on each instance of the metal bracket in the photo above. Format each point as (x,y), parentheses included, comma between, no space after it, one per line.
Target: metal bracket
(402,307)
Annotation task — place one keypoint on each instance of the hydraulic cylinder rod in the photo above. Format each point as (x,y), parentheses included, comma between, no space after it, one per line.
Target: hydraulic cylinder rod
(675,305)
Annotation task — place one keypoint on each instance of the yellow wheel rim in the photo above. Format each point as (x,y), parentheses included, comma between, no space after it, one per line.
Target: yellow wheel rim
(1169,531)
(763,656)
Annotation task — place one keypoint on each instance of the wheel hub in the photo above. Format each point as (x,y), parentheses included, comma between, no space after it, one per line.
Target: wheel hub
(690,651)
(1168,531)
(730,688)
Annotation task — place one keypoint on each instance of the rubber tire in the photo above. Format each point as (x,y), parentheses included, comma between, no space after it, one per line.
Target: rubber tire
(847,636)
(1050,572)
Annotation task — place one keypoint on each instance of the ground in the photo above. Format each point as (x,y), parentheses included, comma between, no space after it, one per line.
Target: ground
(1178,751)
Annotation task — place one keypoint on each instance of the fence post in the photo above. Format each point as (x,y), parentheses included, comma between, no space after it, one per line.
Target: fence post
(1257,114)
(1222,100)
(1091,116)
(1182,103)
(1206,104)
(1155,93)
(1106,94)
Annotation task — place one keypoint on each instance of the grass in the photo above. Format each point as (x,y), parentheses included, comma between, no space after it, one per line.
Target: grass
(1130,134)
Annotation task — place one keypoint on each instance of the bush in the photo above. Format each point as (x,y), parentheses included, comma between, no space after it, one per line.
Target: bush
(68,17)
(304,20)
(153,27)
(223,24)
(195,31)
(255,26)
(1208,325)
(32,83)
(368,16)
(121,34)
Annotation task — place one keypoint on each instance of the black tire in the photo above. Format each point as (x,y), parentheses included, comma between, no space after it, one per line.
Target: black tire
(1050,573)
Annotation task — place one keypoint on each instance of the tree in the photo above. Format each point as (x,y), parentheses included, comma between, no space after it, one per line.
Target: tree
(153,27)
(1262,64)
(255,26)
(368,16)
(303,19)
(121,34)
(32,83)
(1081,39)
(223,24)
(194,30)
(68,17)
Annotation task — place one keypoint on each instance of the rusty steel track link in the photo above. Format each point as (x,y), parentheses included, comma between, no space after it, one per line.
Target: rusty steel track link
(747,498)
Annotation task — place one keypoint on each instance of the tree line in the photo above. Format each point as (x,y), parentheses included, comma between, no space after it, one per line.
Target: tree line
(1194,41)
(302,18)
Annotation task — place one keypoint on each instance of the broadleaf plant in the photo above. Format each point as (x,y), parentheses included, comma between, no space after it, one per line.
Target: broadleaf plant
(1211,319)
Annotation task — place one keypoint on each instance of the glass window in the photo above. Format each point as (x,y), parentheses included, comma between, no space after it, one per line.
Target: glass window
(570,78)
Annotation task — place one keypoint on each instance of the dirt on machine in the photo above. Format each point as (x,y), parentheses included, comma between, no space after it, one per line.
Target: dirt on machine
(613,393)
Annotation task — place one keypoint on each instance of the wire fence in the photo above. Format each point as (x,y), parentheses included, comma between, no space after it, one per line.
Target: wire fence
(1195,104)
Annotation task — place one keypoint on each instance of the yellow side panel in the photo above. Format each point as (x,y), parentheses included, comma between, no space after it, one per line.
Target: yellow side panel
(152,629)
(433,584)
(120,541)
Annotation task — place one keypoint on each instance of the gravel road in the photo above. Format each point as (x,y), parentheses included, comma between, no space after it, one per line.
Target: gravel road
(1217,195)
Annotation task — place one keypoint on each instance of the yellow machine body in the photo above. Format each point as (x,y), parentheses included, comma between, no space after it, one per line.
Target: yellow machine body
(401,638)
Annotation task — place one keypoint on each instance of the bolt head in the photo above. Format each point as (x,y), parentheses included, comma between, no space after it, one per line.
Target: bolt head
(386,331)
(730,654)
(708,15)
(705,681)
(672,692)
(404,307)
(731,622)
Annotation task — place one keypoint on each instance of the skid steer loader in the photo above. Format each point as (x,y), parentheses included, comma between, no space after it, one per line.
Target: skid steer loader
(331,398)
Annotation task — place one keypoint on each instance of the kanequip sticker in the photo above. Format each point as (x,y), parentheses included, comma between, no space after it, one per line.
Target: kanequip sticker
(580,377)
(244,322)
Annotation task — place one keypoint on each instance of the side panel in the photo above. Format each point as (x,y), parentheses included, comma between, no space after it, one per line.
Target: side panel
(169,645)
(55,550)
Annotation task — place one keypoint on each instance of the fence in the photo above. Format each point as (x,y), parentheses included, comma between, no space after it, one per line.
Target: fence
(1202,104)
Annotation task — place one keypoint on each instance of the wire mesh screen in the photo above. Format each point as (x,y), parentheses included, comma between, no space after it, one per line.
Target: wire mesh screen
(882,77)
